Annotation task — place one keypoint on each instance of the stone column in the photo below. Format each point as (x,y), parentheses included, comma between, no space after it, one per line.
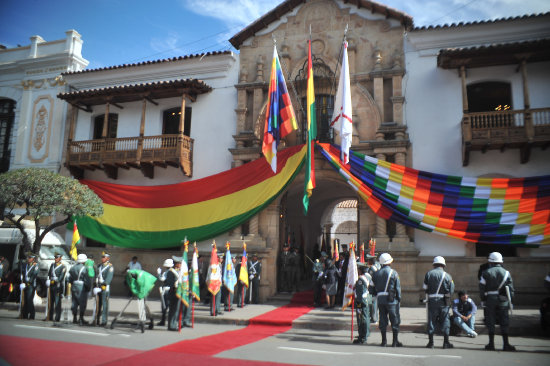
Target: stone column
(397,99)
(379,95)
(351,56)
(362,222)
(253,225)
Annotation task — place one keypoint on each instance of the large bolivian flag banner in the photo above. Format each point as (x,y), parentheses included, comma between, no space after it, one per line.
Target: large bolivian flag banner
(159,216)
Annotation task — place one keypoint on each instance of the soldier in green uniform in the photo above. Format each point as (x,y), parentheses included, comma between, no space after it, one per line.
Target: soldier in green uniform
(105,273)
(285,269)
(80,285)
(29,272)
(361,304)
(318,275)
(387,289)
(497,290)
(56,286)
(439,287)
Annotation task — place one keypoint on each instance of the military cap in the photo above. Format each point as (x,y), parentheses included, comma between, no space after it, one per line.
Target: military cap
(324,254)
(105,254)
(31,255)
(368,256)
(177,259)
(57,255)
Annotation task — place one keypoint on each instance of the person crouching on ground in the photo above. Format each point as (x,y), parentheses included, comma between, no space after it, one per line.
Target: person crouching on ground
(464,313)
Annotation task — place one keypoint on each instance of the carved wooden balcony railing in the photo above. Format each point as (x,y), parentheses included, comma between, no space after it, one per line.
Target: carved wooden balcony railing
(142,153)
(515,129)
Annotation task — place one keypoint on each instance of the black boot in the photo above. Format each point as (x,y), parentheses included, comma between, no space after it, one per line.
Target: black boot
(446,343)
(75,320)
(507,346)
(81,321)
(395,342)
(491,345)
(430,341)
(384,341)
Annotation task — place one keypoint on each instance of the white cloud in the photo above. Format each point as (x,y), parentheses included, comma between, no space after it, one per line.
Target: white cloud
(241,13)
(232,12)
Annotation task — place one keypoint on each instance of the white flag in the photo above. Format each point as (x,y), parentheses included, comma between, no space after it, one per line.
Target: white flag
(342,115)
(351,277)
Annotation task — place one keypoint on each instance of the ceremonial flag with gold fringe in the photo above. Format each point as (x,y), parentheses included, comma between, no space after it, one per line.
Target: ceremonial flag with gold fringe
(214,276)
(243,271)
(280,118)
(351,277)
(362,253)
(182,290)
(76,240)
(195,287)
(229,276)
(311,134)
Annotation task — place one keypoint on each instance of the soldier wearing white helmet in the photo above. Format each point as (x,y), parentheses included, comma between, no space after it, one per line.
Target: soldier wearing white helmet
(164,289)
(387,289)
(80,285)
(439,287)
(497,290)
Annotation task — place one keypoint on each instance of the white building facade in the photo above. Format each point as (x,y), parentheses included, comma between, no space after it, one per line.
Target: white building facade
(31,117)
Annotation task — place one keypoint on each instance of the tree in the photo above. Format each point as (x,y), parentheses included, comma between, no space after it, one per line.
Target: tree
(42,193)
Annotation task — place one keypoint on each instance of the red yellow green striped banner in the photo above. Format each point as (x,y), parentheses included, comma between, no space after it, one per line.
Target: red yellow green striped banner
(151,217)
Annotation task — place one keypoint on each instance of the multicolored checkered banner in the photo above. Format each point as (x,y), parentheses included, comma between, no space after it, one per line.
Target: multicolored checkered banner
(513,211)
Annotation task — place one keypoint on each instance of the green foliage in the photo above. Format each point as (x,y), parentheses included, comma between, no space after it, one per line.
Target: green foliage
(43,193)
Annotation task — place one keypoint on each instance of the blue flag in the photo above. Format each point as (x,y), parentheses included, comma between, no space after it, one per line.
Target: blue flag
(229,276)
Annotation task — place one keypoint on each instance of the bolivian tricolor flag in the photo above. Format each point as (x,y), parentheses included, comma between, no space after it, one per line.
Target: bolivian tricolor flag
(76,240)
(311,133)
(159,216)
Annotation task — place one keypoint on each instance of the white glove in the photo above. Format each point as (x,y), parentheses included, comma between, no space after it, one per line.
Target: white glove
(22,286)
(251,277)
(47,283)
(159,271)
(101,282)
(96,291)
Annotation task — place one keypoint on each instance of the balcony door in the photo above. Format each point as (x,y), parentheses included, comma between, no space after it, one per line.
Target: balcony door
(112,126)
(489,96)
(171,121)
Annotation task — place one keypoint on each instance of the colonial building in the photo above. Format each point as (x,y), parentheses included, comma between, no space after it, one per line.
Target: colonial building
(422,97)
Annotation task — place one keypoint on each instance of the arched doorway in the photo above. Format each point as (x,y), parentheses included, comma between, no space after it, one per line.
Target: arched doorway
(306,233)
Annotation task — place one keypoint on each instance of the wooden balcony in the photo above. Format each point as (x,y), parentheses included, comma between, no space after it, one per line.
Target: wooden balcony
(142,153)
(515,129)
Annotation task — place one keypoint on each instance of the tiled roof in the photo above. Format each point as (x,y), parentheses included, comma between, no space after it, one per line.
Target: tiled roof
(495,54)
(178,58)
(465,24)
(289,5)
(134,92)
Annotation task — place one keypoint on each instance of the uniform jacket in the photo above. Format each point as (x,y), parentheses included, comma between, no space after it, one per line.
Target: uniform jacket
(105,273)
(29,274)
(255,269)
(362,289)
(431,284)
(394,287)
(56,274)
(79,279)
(490,281)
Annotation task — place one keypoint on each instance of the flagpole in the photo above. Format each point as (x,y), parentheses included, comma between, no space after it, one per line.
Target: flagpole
(193,312)
(352,305)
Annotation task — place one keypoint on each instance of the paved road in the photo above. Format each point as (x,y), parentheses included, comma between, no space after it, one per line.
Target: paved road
(321,337)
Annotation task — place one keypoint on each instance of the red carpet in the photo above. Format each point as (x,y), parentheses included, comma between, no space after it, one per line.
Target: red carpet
(39,352)
(30,351)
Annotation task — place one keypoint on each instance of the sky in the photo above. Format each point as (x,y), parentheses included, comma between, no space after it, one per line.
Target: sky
(117,32)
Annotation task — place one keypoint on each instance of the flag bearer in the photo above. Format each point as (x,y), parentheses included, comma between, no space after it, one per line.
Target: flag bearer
(439,287)
(56,286)
(29,272)
(387,289)
(497,290)
(361,303)
(104,278)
